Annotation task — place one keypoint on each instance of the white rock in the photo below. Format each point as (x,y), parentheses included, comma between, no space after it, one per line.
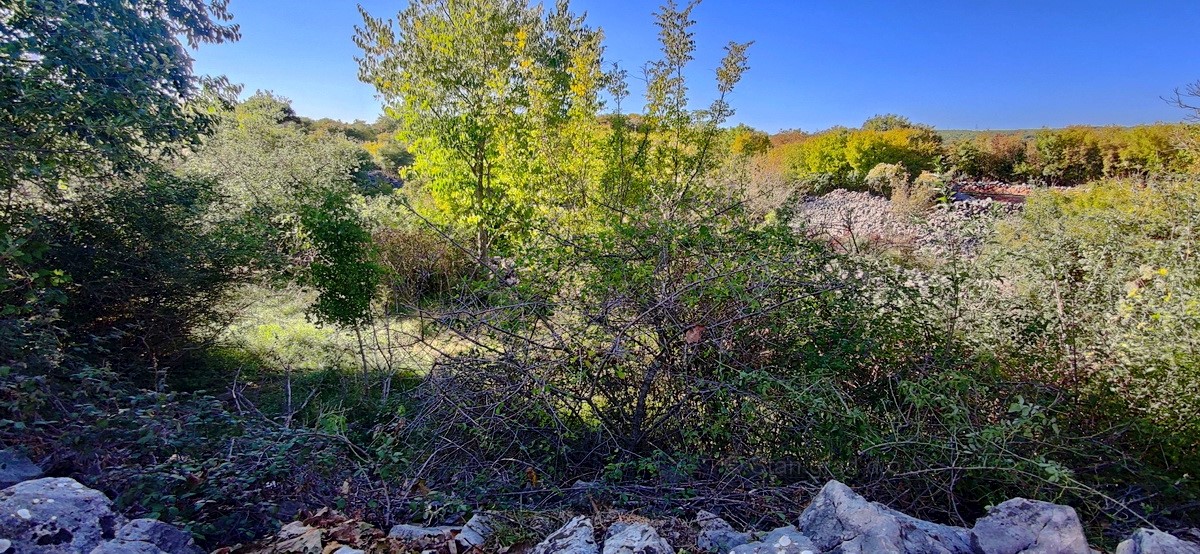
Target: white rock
(79,520)
(838,520)
(716,534)
(578,536)
(1021,526)
(784,540)
(15,468)
(635,538)
(1147,541)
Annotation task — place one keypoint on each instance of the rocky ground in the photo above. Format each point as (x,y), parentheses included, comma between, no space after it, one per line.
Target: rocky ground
(855,221)
(60,515)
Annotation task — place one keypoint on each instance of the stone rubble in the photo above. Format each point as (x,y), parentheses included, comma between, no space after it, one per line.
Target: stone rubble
(635,538)
(1149,541)
(60,515)
(854,219)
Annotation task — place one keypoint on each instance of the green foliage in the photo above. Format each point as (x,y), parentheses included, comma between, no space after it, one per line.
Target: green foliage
(842,158)
(887,122)
(917,149)
(1074,155)
(419,265)
(821,161)
(884,178)
(748,141)
(101,85)
(918,196)
(1110,266)
(486,94)
(267,170)
(147,271)
(1067,157)
(647,322)
(343,273)
(989,156)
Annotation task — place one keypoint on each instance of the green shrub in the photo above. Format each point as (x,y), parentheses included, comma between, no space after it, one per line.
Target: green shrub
(420,265)
(1111,267)
(919,196)
(884,178)
(149,275)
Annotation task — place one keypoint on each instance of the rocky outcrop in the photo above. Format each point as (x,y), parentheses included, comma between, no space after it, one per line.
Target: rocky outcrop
(56,515)
(1020,526)
(475,533)
(164,537)
(15,468)
(716,534)
(59,515)
(1147,541)
(838,520)
(635,538)
(408,532)
(578,536)
(784,540)
(845,217)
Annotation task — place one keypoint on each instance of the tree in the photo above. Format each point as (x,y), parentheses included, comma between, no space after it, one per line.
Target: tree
(266,164)
(470,83)
(99,87)
(94,94)
(887,122)
(748,141)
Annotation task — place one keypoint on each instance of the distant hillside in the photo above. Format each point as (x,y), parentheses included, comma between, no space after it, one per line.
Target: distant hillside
(955,135)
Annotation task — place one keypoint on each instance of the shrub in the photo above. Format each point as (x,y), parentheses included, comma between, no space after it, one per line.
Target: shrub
(1110,267)
(884,178)
(919,196)
(420,265)
(149,275)
(1069,156)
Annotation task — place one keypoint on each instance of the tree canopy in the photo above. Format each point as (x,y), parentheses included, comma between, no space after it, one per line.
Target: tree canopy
(99,86)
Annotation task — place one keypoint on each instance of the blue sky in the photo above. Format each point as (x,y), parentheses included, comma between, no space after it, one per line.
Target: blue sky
(965,64)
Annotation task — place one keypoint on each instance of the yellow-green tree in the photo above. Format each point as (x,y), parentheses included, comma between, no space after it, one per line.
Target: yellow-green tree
(485,92)
(748,141)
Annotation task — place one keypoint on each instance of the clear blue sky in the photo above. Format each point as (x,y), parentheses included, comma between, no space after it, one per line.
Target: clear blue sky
(955,64)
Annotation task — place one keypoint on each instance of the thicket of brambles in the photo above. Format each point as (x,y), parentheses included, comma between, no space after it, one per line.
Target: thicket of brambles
(220,312)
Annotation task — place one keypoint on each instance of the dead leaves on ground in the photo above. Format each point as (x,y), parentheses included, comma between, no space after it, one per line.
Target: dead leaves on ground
(327,531)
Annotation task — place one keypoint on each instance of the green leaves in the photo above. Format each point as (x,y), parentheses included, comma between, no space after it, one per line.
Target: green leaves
(344,274)
(493,96)
(97,87)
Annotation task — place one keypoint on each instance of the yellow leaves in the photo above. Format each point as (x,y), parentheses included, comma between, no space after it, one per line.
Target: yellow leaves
(522,38)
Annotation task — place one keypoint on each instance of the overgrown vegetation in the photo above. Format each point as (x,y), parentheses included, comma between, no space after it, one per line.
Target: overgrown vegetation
(240,312)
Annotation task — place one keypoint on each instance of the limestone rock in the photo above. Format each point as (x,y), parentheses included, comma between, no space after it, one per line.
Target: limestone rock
(408,532)
(1147,541)
(166,537)
(56,515)
(1021,526)
(476,531)
(842,522)
(784,540)
(716,534)
(578,536)
(16,468)
(635,538)
(127,547)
